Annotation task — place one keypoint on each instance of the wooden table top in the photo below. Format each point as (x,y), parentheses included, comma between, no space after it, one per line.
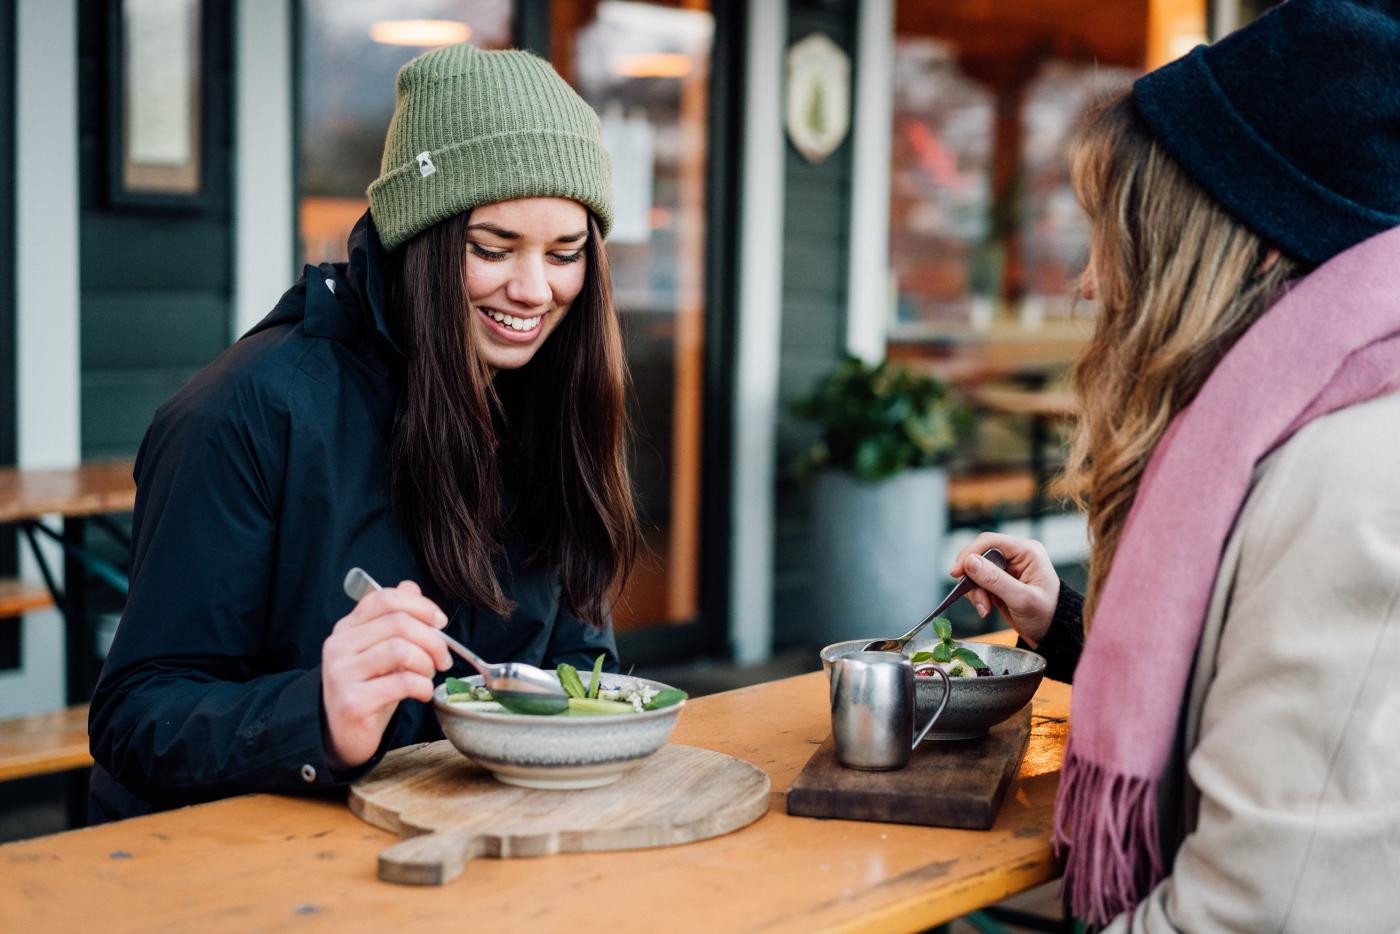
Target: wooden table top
(263,862)
(85,490)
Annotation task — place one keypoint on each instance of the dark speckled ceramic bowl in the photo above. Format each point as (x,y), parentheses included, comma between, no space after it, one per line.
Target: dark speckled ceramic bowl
(977,704)
(556,752)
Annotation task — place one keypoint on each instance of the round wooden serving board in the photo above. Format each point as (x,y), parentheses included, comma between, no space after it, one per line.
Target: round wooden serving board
(449,810)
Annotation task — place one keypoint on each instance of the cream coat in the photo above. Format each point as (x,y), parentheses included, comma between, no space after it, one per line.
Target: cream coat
(1292,729)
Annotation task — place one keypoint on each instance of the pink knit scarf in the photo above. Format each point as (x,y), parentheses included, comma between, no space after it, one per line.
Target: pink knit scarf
(1333,340)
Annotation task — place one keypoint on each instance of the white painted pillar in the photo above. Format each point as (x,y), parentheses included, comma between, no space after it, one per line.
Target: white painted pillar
(868,295)
(757,347)
(47,376)
(264,201)
(46,233)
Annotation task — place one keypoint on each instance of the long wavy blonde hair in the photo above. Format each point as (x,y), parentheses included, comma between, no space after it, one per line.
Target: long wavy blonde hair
(1178,281)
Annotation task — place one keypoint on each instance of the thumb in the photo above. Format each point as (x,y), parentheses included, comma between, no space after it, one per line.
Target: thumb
(996,581)
(410,587)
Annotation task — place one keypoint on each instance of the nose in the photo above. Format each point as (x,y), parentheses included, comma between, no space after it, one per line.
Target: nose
(529,284)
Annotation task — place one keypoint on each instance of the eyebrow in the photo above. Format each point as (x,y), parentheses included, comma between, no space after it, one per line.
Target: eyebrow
(513,235)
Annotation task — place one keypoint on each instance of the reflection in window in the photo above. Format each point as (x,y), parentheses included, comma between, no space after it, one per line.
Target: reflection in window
(1054,241)
(351,51)
(947,268)
(969,256)
(645,67)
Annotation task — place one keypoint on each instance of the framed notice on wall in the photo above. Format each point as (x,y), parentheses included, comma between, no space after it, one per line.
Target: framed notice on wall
(154,54)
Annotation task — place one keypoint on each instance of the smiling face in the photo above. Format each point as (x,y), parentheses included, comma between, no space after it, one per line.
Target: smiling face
(525,267)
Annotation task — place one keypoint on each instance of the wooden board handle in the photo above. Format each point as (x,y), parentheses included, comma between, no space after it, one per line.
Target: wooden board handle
(431,858)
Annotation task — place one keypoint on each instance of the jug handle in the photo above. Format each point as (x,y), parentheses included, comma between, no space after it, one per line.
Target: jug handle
(947,693)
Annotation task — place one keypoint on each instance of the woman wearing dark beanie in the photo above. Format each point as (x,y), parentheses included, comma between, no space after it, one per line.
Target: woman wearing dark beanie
(444,410)
(1233,751)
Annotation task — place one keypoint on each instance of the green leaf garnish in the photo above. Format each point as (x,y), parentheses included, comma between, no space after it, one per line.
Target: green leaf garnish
(920,657)
(969,657)
(570,681)
(666,698)
(457,686)
(597,683)
(943,628)
(942,653)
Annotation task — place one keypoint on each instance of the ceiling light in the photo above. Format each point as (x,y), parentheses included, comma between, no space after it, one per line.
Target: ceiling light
(420,32)
(654,65)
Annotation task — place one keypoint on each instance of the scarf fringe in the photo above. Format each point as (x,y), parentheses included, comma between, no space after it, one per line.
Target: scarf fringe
(1107,822)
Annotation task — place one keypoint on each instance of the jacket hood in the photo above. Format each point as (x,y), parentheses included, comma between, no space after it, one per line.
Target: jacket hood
(341,300)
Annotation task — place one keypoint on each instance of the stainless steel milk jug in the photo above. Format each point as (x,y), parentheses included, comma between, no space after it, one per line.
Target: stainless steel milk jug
(872,710)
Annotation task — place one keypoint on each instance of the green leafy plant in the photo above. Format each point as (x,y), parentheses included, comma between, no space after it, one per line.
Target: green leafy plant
(877,421)
(945,650)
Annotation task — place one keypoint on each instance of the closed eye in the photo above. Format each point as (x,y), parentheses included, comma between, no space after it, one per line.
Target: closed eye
(494,256)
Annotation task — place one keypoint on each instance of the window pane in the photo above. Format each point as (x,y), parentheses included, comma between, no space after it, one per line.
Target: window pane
(645,67)
(1054,231)
(351,51)
(946,264)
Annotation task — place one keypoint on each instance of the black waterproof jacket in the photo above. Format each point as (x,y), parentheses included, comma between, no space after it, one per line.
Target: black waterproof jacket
(258,486)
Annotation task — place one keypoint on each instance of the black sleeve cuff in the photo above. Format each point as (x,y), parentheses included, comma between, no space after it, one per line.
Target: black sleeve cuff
(397,732)
(1064,640)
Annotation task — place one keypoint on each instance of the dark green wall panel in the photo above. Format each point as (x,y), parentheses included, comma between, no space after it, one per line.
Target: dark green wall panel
(815,254)
(809,269)
(118,405)
(145,252)
(120,329)
(812,210)
(156,281)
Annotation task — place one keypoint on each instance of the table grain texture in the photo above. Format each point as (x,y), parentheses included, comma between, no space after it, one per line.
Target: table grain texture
(280,863)
(87,489)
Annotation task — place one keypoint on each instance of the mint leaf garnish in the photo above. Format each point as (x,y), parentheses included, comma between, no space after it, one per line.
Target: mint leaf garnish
(969,657)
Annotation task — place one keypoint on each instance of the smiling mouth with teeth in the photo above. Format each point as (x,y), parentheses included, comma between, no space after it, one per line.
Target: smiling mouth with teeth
(513,322)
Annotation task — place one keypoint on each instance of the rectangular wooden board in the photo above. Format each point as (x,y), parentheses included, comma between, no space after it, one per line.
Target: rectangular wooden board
(947,783)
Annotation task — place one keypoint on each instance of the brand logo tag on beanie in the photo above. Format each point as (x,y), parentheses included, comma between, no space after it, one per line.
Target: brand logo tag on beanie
(425,164)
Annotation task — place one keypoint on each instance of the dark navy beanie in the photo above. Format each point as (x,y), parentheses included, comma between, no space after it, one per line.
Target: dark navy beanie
(1293,123)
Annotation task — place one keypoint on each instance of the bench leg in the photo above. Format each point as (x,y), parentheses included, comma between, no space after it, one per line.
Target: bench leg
(76,798)
(81,668)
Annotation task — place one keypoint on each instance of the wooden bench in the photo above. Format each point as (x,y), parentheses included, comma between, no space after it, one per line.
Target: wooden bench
(39,744)
(990,491)
(44,743)
(18,597)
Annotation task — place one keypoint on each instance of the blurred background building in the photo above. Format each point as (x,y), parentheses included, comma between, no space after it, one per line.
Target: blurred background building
(167,166)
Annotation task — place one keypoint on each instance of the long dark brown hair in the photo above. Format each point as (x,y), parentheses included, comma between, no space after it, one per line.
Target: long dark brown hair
(541,449)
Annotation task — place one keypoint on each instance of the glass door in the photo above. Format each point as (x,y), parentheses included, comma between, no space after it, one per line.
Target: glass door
(645,67)
(350,52)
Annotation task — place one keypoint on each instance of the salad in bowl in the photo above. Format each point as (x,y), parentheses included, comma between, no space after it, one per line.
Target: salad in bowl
(612,724)
(989,682)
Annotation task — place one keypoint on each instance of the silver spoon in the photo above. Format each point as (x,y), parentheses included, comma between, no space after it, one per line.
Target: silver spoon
(960,589)
(519,688)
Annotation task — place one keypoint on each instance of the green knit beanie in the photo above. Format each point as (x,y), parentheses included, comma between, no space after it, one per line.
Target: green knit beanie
(474,127)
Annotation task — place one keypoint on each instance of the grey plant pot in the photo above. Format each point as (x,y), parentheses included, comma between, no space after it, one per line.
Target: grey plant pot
(877,552)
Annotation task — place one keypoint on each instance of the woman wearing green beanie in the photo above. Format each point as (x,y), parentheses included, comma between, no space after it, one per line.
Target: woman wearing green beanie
(446,410)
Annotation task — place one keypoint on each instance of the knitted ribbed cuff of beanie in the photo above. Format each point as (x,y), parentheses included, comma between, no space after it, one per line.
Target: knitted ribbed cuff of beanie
(474,127)
(1292,125)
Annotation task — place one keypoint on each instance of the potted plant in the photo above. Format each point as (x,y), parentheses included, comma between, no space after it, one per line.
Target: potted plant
(880,496)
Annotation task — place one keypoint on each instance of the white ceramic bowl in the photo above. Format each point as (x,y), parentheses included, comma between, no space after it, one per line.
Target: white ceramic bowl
(977,704)
(560,751)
